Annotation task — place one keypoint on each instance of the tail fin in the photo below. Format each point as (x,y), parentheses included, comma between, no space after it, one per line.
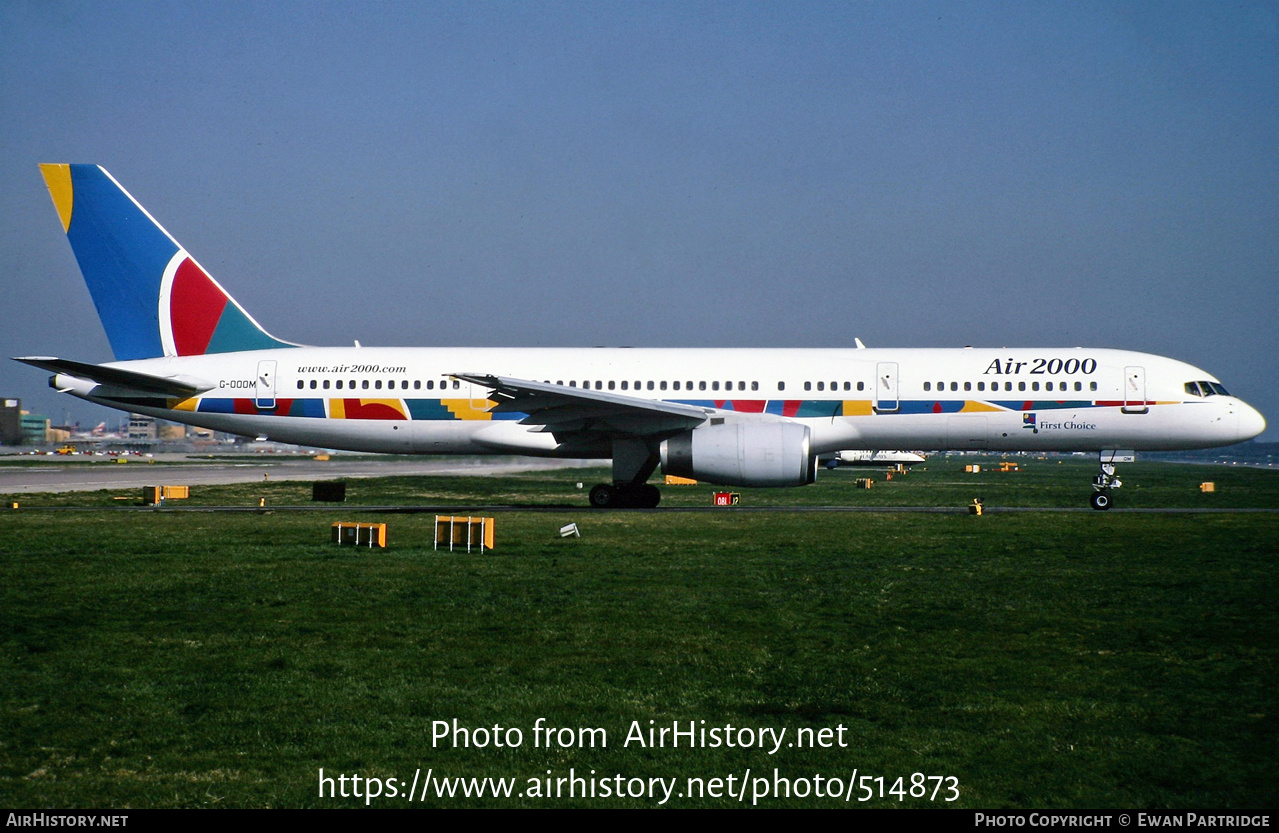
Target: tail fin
(152,297)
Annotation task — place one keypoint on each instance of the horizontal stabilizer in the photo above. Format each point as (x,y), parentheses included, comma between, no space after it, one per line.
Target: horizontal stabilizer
(175,386)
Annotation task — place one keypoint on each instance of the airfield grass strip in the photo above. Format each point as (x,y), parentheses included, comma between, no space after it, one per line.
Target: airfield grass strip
(1045,660)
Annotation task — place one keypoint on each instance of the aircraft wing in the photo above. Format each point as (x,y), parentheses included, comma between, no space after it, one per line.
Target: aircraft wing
(564,410)
(176,386)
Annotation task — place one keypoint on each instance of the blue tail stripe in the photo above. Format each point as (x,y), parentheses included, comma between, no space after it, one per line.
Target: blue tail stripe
(122,254)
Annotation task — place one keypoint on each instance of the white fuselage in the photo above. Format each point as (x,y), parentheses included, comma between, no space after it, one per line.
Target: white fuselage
(402,400)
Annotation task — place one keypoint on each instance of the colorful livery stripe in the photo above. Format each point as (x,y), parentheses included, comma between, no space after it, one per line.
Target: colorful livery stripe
(472,409)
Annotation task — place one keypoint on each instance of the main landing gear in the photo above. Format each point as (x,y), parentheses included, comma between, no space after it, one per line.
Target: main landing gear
(1106,479)
(633,463)
(625,496)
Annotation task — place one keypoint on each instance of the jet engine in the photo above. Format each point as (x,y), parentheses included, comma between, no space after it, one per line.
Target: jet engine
(743,454)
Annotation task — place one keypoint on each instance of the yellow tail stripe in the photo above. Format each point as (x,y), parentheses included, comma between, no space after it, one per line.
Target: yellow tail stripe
(58,179)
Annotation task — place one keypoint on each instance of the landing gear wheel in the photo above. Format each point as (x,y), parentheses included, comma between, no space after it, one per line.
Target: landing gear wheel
(649,496)
(603,496)
(1100,500)
(643,496)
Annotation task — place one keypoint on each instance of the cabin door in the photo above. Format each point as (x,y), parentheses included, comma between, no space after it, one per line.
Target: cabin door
(264,397)
(1135,390)
(479,396)
(886,397)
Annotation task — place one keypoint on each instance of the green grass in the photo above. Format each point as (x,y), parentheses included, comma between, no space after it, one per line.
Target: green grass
(161,659)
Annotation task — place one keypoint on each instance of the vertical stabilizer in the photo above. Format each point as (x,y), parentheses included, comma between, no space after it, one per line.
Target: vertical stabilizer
(152,297)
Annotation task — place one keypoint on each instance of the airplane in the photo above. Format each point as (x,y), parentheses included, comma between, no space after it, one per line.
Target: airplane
(186,351)
(868,457)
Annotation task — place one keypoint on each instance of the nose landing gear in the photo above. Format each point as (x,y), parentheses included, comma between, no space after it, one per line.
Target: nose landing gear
(1106,479)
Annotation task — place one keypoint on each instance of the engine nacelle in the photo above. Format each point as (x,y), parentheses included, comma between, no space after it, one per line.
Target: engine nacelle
(743,454)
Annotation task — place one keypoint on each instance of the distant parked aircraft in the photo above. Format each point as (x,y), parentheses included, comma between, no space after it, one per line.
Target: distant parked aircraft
(866,457)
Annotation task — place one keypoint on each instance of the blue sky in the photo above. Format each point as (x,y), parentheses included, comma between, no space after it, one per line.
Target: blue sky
(667,174)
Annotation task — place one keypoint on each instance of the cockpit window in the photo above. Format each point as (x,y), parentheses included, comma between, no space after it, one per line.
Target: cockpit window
(1205,389)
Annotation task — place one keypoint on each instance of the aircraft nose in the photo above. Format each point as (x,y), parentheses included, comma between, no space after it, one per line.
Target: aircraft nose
(1251,422)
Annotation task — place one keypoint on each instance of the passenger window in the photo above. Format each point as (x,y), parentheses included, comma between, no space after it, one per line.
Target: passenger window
(1079,386)
(821,386)
(313,384)
(1021,386)
(808,386)
(650,385)
(861,386)
(599,384)
(1092,385)
(417,384)
(968,385)
(675,384)
(701,386)
(301,384)
(954,386)
(663,385)
(378,384)
(610,385)
(781,386)
(339,384)
(981,386)
(928,386)
(1034,386)
(714,386)
(754,385)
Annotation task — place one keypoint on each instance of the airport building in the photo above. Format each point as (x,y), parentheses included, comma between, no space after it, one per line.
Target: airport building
(141,427)
(35,429)
(10,421)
